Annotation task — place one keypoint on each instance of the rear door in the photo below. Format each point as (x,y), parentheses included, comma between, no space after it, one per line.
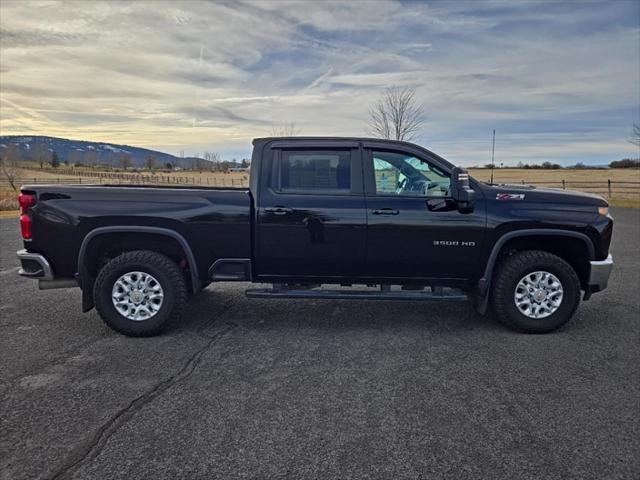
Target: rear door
(311,218)
(415,230)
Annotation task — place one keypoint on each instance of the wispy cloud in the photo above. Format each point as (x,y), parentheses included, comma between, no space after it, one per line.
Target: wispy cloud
(558,81)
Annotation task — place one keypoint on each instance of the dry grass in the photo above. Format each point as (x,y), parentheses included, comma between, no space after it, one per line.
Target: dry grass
(516,175)
(585,180)
(8,199)
(625,202)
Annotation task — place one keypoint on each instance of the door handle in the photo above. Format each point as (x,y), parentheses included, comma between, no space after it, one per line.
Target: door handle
(386,211)
(278,210)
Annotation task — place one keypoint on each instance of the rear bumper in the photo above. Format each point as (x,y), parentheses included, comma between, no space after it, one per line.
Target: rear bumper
(599,275)
(34,265)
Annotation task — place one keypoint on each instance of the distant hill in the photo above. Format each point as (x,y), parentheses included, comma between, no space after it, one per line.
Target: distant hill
(89,153)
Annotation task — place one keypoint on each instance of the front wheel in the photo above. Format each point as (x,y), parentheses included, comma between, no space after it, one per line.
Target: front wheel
(138,292)
(535,291)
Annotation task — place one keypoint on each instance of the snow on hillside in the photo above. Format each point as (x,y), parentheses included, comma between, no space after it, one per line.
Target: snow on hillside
(79,151)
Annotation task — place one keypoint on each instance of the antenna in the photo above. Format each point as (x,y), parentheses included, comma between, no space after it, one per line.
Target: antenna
(493,151)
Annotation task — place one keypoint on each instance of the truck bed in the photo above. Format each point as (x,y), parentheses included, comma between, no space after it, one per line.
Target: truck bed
(214,221)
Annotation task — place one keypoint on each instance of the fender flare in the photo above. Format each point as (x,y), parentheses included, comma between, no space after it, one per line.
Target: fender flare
(484,284)
(195,279)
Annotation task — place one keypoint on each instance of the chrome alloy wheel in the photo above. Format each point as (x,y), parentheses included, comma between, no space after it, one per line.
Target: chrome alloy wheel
(538,294)
(137,296)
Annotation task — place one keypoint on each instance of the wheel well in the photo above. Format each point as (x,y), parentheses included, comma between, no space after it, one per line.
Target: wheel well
(104,247)
(573,250)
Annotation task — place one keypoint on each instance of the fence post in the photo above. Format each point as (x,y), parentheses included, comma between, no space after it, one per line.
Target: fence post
(609,187)
(563,185)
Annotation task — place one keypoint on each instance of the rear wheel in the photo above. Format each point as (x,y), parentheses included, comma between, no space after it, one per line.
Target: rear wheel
(138,292)
(535,291)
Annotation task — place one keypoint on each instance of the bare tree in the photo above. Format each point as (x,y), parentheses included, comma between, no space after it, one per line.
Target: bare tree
(214,158)
(396,115)
(75,156)
(42,153)
(150,162)
(285,130)
(90,158)
(635,136)
(9,164)
(200,164)
(125,160)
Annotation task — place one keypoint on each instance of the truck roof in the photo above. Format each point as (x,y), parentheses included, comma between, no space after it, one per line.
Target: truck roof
(399,143)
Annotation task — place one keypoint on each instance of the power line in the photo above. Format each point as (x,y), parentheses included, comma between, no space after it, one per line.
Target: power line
(493,151)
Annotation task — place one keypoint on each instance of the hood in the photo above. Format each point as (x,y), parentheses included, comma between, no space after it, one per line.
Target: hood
(530,193)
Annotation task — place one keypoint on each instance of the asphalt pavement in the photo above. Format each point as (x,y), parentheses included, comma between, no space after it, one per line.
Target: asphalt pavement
(319,389)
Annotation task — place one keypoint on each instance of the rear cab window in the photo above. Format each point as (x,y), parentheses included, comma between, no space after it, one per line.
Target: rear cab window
(313,172)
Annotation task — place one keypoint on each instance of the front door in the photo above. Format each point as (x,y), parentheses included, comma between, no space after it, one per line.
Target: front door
(414,228)
(311,214)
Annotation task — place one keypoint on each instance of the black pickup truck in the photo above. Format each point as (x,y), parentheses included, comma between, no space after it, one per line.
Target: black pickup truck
(334,218)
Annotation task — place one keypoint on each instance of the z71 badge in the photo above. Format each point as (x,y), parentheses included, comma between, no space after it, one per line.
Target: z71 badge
(510,196)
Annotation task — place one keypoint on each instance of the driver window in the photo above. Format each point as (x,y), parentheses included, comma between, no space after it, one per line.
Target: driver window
(403,174)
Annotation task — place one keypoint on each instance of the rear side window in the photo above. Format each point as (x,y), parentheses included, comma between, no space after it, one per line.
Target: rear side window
(314,171)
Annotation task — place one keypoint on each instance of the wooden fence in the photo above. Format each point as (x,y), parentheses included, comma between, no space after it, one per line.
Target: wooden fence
(606,188)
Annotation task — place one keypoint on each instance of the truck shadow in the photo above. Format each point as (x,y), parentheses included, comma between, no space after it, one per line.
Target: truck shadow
(220,305)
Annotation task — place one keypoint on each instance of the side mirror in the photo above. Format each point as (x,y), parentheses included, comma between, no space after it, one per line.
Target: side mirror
(461,191)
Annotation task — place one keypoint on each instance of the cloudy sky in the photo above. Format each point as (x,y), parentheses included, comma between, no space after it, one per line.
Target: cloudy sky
(558,81)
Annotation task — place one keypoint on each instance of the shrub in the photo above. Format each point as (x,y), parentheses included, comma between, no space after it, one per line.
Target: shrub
(625,163)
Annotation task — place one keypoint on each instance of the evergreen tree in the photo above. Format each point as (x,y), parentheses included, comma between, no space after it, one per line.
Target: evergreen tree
(55,161)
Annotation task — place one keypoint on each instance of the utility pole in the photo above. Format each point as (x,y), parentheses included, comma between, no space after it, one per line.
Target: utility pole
(493,151)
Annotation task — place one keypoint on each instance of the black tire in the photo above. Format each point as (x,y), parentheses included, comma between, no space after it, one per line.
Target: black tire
(167,274)
(512,269)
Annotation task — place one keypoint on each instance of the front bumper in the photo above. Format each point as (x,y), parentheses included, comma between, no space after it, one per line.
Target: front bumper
(599,275)
(34,265)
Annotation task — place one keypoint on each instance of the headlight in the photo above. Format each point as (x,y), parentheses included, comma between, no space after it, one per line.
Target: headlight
(604,211)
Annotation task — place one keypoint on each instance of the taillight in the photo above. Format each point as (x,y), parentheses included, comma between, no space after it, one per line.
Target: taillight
(26,201)
(25,227)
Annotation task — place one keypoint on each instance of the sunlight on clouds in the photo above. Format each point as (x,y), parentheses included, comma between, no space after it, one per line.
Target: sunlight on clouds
(198,76)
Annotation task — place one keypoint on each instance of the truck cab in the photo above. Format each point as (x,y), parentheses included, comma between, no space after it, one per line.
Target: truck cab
(370,211)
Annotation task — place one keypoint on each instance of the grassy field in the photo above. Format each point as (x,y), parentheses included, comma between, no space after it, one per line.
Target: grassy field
(517,175)
(624,190)
(590,180)
(67,175)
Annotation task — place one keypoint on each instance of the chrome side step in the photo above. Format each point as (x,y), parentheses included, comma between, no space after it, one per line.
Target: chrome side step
(386,292)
